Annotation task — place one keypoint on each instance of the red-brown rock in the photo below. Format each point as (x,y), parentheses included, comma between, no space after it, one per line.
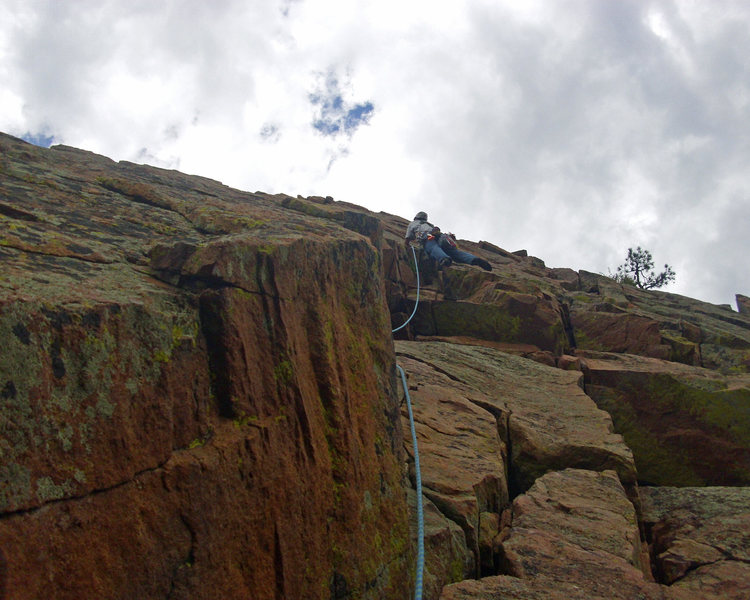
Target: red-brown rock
(686,425)
(542,412)
(700,538)
(574,534)
(618,332)
(463,461)
(197,400)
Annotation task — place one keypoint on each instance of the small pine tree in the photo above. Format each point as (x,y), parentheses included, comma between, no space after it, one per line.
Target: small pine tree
(637,271)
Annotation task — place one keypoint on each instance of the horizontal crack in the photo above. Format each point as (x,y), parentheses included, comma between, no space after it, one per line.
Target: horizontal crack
(27,250)
(29,511)
(214,283)
(429,364)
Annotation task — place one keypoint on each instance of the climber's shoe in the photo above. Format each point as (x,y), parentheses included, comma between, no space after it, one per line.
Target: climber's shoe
(446,262)
(480,262)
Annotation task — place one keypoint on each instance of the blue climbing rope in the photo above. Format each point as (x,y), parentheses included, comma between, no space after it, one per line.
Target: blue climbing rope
(420,512)
(414,312)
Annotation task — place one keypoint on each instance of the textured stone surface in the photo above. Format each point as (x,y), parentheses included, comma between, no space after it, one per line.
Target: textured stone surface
(618,332)
(700,538)
(574,534)
(197,390)
(95,392)
(447,557)
(543,587)
(543,415)
(591,509)
(523,302)
(463,301)
(197,399)
(686,425)
(463,460)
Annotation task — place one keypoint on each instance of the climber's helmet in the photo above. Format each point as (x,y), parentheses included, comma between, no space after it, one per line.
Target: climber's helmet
(421,216)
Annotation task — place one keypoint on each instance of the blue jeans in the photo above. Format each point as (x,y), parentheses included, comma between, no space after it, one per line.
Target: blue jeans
(435,251)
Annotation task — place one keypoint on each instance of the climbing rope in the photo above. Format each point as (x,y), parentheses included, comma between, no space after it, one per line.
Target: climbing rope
(416,304)
(420,513)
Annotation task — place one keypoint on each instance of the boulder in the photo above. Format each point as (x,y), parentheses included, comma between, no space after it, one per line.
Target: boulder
(590,507)
(569,363)
(743,304)
(568,278)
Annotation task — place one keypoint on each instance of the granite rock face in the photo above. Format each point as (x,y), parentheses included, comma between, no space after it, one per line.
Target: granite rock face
(574,534)
(544,418)
(686,425)
(198,399)
(198,394)
(679,432)
(700,538)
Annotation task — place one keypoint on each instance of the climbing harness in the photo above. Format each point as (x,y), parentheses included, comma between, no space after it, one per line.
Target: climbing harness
(420,513)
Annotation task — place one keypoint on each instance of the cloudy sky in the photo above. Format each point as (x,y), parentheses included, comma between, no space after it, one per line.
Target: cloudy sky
(571,128)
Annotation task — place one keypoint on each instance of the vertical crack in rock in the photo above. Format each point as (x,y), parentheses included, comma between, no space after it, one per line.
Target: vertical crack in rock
(278,563)
(567,324)
(213,324)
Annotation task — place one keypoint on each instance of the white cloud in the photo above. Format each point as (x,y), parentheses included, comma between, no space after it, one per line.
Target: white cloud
(572,129)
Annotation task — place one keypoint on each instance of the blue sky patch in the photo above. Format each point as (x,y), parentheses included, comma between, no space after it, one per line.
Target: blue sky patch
(334,115)
(38,139)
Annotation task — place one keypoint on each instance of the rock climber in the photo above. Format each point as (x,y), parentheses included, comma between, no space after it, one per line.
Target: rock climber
(440,246)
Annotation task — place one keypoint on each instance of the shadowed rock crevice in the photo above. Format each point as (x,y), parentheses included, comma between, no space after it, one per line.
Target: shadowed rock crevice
(16,213)
(212,307)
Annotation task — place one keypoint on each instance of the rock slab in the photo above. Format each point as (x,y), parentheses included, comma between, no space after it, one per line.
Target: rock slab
(700,538)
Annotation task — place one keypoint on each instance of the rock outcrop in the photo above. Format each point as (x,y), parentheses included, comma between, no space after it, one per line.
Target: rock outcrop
(686,425)
(574,534)
(701,538)
(198,399)
(198,393)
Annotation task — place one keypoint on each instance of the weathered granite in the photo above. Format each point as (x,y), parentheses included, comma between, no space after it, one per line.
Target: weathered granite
(198,394)
(463,459)
(700,538)
(542,413)
(574,534)
(686,425)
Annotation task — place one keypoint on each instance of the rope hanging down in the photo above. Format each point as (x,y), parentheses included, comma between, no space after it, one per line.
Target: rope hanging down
(420,513)
(416,304)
